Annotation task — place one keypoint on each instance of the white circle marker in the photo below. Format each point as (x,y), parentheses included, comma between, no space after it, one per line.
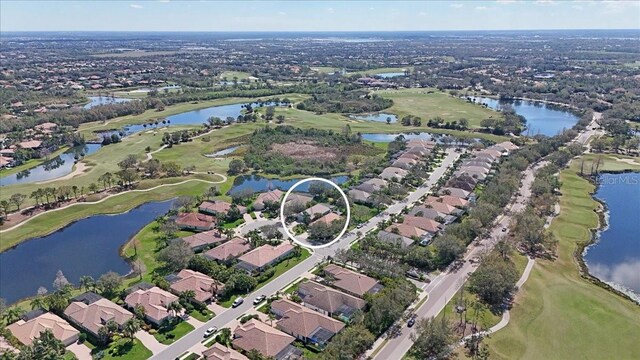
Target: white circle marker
(284,224)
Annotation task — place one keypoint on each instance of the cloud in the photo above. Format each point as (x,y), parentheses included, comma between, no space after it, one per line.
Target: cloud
(505,2)
(135,6)
(422,13)
(372,8)
(481,8)
(619,6)
(164,1)
(331,10)
(282,13)
(456,6)
(545,2)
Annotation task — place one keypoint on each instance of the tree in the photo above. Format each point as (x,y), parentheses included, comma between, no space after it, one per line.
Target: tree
(176,255)
(494,279)
(140,311)
(129,162)
(38,302)
(130,328)
(12,314)
(87,282)
(236,166)
(60,280)
(17,199)
(107,330)
(172,169)
(224,337)
(106,179)
(4,205)
(174,308)
(127,176)
(109,283)
(152,167)
(93,187)
(44,347)
(448,248)
(435,339)
(348,344)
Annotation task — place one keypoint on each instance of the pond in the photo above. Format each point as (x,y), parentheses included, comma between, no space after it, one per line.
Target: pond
(51,169)
(379,117)
(257,183)
(615,257)
(90,246)
(223,152)
(541,118)
(410,136)
(195,117)
(104,100)
(389,75)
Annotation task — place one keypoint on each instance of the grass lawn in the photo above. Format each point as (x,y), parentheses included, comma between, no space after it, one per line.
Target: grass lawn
(380,70)
(240,75)
(125,349)
(560,315)
(233,225)
(325,69)
(170,334)
(204,317)
(145,243)
(428,103)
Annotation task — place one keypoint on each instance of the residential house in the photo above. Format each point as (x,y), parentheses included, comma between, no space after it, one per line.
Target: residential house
(372,185)
(259,258)
(218,208)
(476,174)
(268,341)
(91,311)
(390,173)
(359,196)
(218,351)
(154,301)
(463,182)
(350,281)
(204,287)
(396,239)
(431,213)
(29,327)
(272,196)
(317,211)
(423,223)
(299,199)
(195,221)
(405,230)
(306,325)
(329,301)
(30,144)
(200,241)
(454,201)
(461,193)
(328,219)
(409,156)
(229,250)
(444,208)
(404,163)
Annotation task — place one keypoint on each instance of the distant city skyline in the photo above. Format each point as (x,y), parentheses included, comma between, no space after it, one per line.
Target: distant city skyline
(175,15)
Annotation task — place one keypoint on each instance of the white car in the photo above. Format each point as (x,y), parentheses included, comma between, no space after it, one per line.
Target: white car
(210,331)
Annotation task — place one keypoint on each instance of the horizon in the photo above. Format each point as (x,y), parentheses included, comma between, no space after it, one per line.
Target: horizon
(317,16)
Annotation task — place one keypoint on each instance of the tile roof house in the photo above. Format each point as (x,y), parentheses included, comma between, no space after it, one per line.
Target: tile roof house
(479,175)
(409,156)
(273,196)
(480,163)
(463,182)
(229,250)
(30,144)
(155,302)
(454,201)
(393,173)
(200,241)
(359,196)
(93,312)
(419,150)
(491,152)
(461,193)
(372,185)
(268,341)
(218,351)
(405,230)
(328,219)
(263,256)
(195,221)
(29,328)
(423,223)
(421,142)
(350,281)
(218,207)
(295,198)
(305,324)
(443,208)
(329,301)
(404,163)
(202,285)
(317,210)
(396,239)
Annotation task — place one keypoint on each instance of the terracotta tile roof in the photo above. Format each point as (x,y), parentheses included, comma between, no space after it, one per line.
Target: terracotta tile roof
(405,230)
(299,320)
(229,250)
(220,352)
(441,207)
(454,201)
(218,206)
(204,238)
(423,223)
(195,220)
(327,298)
(255,334)
(461,193)
(328,219)
(265,254)
(28,331)
(318,209)
(154,301)
(30,144)
(200,283)
(93,316)
(273,196)
(349,280)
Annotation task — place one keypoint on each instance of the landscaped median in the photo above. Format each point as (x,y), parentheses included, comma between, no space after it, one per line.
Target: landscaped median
(557,303)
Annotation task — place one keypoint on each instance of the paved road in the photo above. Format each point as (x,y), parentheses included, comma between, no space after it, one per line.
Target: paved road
(444,286)
(193,338)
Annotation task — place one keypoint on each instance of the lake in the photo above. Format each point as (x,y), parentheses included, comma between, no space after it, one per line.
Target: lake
(541,119)
(379,117)
(615,258)
(104,100)
(223,152)
(86,247)
(374,137)
(257,183)
(388,75)
(51,169)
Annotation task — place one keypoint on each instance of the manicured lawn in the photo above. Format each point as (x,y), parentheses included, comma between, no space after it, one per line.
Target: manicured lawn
(325,69)
(380,70)
(170,335)
(428,103)
(233,225)
(229,75)
(204,317)
(557,313)
(125,349)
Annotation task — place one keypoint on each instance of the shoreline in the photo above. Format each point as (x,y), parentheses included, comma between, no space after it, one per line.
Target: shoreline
(582,248)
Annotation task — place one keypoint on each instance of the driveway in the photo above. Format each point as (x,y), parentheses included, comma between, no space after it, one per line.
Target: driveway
(81,351)
(150,342)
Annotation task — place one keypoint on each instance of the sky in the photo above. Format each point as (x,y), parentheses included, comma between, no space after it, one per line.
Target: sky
(175,15)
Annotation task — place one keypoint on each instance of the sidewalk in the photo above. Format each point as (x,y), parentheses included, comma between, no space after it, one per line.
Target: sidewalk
(150,342)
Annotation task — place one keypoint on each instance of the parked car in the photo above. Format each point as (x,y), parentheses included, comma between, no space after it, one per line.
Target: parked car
(237,302)
(412,320)
(210,331)
(504,229)
(259,299)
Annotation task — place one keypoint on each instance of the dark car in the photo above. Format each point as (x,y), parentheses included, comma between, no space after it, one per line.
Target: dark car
(411,322)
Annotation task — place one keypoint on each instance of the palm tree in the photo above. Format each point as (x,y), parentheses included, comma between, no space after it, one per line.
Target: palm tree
(188,295)
(87,282)
(271,318)
(140,311)
(130,328)
(174,308)
(12,314)
(38,302)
